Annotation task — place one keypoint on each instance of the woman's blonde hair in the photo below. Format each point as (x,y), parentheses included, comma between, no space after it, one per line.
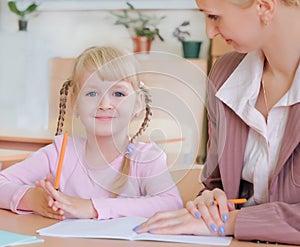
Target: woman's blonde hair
(247,3)
(110,64)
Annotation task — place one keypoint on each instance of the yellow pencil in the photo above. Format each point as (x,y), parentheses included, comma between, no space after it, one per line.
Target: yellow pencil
(234,201)
(60,162)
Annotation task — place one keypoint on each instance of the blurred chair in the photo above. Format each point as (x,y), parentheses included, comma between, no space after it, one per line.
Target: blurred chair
(219,47)
(9,157)
(188,182)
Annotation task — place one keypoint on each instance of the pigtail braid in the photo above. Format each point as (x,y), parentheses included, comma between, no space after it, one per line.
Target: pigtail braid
(124,171)
(63,105)
(148,114)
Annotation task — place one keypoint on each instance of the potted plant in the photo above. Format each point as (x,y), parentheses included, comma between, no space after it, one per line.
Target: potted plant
(142,27)
(191,49)
(22,13)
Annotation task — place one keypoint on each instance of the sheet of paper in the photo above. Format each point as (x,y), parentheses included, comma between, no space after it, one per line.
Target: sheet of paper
(12,239)
(121,228)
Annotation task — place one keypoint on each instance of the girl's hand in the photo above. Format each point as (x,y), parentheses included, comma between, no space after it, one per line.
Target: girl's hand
(69,206)
(174,222)
(36,199)
(214,216)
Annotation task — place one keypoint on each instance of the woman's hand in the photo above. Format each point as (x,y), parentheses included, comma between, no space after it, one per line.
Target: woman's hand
(215,216)
(69,206)
(174,222)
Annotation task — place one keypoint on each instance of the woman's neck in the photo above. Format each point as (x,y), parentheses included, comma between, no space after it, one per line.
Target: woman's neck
(282,49)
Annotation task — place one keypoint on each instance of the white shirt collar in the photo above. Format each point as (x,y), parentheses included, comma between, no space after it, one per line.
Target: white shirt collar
(245,83)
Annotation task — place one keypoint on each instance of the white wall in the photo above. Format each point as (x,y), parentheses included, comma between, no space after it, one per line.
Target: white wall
(24,56)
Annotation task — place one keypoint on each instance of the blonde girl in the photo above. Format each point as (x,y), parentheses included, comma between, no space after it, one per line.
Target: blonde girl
(105,174)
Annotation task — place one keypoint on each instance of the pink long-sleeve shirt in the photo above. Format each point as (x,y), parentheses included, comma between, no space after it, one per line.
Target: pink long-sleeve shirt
(149,188)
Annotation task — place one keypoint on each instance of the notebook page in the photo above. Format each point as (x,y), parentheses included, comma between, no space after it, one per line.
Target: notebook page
(120,228)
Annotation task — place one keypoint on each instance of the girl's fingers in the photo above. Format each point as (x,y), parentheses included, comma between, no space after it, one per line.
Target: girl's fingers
(50,201)
(49,178)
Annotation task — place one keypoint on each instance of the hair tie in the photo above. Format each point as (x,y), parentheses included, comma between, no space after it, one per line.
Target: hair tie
(142,84)
(130,149)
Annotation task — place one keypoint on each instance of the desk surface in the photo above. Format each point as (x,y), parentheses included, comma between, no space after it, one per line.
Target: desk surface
(28,224)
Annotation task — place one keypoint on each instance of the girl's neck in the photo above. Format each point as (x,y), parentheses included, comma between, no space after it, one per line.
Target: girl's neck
(103,150)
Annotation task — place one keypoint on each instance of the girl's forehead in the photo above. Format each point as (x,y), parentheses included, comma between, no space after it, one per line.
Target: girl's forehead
(96,82)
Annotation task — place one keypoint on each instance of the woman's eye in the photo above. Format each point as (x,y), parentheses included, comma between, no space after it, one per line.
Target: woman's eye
(213,17)
(118,94)
(92,94)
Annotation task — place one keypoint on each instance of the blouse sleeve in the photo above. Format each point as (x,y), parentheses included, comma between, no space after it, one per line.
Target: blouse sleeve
(210,175)
(17,179)
(272,222)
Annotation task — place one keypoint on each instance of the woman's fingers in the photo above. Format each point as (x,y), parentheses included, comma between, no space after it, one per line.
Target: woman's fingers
(206,215)
(176,222)
(191,207)
(213,208)
(161,219)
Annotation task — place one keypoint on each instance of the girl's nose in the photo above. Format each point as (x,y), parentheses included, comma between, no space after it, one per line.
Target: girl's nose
(105,103)
(212,29)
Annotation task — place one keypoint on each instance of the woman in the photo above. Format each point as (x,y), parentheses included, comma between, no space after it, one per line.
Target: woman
(254,127)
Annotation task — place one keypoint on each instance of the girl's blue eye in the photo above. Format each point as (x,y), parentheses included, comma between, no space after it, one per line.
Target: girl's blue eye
(213,17)
(92,94)
(118,94)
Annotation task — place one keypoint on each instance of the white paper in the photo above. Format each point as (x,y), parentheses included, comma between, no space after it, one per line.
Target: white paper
(121,228)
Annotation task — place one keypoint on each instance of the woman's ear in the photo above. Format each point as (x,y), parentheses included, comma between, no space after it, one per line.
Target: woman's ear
(266,10)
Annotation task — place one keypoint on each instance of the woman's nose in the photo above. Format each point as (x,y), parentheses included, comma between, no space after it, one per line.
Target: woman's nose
(212,29)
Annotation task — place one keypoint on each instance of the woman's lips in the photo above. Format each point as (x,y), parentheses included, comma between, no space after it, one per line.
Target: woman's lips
(228,41)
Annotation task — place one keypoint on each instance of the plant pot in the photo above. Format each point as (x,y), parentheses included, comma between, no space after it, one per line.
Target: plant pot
(22,25)
(191,49)
(141,44)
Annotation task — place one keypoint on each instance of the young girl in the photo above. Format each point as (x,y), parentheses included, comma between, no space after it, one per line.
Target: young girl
(105,175)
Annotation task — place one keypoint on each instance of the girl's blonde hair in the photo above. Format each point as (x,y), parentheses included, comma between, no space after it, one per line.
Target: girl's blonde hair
(111,64)
(247,3)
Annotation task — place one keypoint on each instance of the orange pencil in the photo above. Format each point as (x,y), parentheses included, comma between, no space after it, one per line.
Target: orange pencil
(234,201)
(60,162)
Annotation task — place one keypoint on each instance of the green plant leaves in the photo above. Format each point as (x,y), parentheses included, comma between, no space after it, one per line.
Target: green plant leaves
(22,13)
(140,23)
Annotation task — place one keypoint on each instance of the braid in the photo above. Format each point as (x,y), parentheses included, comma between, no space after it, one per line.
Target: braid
(63,105)
(148,114)
(123,176)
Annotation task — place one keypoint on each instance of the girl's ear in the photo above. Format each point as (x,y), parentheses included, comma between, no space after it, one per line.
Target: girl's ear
(73,104)
(266,10)
(139,105)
